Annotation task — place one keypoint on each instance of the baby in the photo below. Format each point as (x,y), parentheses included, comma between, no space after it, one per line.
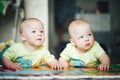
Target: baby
(83,50)
(31,52)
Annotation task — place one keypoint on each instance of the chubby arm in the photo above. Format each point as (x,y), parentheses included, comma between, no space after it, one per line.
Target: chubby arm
(105,62)
(11,65)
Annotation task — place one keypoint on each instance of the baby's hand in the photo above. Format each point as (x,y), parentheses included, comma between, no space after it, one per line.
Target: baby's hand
(15,66)
(63,63)
(103,67)
(54,64)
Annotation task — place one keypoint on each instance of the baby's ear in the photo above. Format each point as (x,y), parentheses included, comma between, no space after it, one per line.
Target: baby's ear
(22,36)
(72,41)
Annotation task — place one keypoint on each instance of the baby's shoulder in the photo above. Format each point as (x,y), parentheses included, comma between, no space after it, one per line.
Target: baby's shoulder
(70,45)
(16,45)
(96,44)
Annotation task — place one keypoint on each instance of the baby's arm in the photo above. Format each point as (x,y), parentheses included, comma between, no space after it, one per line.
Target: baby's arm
(105,62)
(63,63)
(11,65)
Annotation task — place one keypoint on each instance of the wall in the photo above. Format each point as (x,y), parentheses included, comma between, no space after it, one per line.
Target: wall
(113,9)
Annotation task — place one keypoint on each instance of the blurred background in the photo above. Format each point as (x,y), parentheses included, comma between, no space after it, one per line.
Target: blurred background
(103,16)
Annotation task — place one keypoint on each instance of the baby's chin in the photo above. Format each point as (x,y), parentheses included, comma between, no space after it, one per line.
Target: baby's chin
(38,45)
(88,48)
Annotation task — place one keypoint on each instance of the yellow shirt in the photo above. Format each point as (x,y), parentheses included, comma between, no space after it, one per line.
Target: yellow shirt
(17,53)
(88,59)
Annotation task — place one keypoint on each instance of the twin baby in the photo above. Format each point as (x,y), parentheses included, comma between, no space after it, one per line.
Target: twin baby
(82,51)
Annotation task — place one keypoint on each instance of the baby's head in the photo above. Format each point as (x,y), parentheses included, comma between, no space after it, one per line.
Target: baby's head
(81,35)
(32,32)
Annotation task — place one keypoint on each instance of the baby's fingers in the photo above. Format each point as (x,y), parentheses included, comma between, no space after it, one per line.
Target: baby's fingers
(103,67)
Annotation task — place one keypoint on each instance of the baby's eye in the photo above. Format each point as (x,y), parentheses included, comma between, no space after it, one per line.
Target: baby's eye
(81,36)
(89,34)
(41,31)
(33,31)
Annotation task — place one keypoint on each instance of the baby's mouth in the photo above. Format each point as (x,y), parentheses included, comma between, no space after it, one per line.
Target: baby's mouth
(88,44)
(39,39)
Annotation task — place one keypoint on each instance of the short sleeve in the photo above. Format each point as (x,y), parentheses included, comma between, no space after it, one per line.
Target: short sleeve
(48,56)
(67,51)
(10,52)
(98,49)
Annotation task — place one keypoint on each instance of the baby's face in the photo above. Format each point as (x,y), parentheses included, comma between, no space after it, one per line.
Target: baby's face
(34,34)
(82,37)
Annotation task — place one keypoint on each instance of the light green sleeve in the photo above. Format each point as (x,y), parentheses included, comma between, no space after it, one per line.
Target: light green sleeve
(10,52)
(67,51)
(48,56)
(98,49)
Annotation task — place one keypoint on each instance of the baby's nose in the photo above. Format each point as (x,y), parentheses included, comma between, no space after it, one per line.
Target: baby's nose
(86,38)
(39,34)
